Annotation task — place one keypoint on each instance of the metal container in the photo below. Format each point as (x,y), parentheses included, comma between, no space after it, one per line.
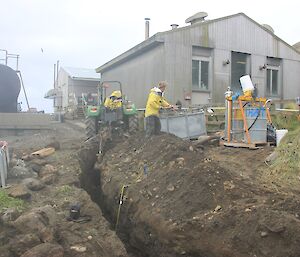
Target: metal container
(257,124)
(184,125)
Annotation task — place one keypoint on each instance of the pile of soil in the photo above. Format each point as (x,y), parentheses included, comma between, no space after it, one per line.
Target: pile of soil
(163,196)
(186,199)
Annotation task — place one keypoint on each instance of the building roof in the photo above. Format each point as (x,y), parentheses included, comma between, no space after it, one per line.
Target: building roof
(159,38)
(82,73)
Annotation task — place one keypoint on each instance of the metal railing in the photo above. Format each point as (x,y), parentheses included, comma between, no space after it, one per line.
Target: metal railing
(8,56)
(4,162)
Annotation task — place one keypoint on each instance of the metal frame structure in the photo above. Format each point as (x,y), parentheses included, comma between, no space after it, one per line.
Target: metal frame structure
(242,101)
(4,162)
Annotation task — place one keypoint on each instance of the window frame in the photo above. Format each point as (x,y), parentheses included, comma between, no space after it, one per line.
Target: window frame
(201,59)
(271,68)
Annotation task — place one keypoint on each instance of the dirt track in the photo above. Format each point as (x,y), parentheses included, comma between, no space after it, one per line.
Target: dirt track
(182,199)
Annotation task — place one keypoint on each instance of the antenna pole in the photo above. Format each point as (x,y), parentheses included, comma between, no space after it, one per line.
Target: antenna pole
(20,75)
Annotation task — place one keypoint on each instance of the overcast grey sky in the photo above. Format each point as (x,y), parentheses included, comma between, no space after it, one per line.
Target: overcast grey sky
(88,33)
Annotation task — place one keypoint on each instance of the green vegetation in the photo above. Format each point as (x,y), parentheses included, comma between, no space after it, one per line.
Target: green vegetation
(65,190)
(285,170)
(10,202)
(288,159)
(286,121)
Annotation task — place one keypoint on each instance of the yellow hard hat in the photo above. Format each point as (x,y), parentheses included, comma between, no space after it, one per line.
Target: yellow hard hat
(116,93)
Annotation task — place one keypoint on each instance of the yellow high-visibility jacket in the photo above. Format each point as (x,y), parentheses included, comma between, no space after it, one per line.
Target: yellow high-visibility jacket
(114,101)
(155,102)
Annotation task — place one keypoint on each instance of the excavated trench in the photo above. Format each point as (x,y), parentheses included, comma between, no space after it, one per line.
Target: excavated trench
(156,215)
(190,204)
(90,180)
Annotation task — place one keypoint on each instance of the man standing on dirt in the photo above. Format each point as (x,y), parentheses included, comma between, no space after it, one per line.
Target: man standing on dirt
(155,102)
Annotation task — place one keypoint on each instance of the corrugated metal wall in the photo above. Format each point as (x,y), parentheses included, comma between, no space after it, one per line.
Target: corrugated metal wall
(236,33)
(138,75)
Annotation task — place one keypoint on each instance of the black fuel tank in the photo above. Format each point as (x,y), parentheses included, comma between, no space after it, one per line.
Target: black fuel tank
(9,89)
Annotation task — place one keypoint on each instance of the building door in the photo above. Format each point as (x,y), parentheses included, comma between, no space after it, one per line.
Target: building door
(240,66)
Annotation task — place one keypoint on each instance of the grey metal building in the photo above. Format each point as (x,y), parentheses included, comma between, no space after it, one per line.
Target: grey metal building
(201,60)
(69,86)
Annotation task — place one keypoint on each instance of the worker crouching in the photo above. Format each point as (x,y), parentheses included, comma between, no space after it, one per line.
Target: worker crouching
(155,102)
(114,101)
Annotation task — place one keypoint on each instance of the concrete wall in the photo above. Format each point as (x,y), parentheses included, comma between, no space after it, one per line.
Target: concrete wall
(25,121)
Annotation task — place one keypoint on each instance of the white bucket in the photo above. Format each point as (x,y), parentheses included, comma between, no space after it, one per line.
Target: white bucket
(247,85)
(280,133)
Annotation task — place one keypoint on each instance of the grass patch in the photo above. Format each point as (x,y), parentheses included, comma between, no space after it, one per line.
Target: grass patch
(65,190)
(288,159)
(286,121)
(285,170)
(7,201)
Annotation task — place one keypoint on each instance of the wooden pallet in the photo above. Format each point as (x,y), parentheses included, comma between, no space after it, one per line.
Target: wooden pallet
(251,146)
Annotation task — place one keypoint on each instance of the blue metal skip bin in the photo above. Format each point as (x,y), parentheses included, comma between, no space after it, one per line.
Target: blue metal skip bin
(184,125)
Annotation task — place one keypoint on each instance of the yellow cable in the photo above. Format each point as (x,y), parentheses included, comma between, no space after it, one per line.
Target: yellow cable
(120,204)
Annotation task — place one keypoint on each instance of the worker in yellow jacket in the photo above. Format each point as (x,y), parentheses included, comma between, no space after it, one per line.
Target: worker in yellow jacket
(155,102)
(114,101)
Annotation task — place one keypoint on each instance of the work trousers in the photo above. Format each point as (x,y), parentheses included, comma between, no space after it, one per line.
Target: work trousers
(153,125)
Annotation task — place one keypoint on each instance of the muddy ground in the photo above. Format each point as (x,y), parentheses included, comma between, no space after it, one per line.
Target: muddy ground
(179,199)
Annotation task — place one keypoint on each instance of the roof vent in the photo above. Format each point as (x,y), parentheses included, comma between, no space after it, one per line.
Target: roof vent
(268,27)
(297,46)
(174,26)
(198,17)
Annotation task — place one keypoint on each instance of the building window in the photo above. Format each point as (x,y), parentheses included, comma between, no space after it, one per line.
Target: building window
(272,81)
(200,70)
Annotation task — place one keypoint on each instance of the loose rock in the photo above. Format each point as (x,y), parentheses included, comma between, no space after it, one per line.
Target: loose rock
(45,250)
(19,191)
(20,172)
(33,184)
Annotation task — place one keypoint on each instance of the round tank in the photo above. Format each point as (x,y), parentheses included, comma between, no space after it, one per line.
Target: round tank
(9,89)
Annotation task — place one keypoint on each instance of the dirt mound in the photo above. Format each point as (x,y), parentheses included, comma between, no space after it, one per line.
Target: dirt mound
(207,201)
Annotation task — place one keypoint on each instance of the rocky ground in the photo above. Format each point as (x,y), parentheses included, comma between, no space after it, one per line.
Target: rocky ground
(160,197)
(49,186)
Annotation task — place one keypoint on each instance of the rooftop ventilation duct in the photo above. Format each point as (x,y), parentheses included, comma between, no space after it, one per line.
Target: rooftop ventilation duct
(268,27)
(198,17)
(174,26)
(297,46)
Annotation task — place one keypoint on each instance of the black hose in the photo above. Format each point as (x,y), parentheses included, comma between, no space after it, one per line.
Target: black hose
(255,119)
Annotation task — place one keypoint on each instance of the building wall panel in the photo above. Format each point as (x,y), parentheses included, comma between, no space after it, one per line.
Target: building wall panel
(236,33)
(291,79)
(138,75)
